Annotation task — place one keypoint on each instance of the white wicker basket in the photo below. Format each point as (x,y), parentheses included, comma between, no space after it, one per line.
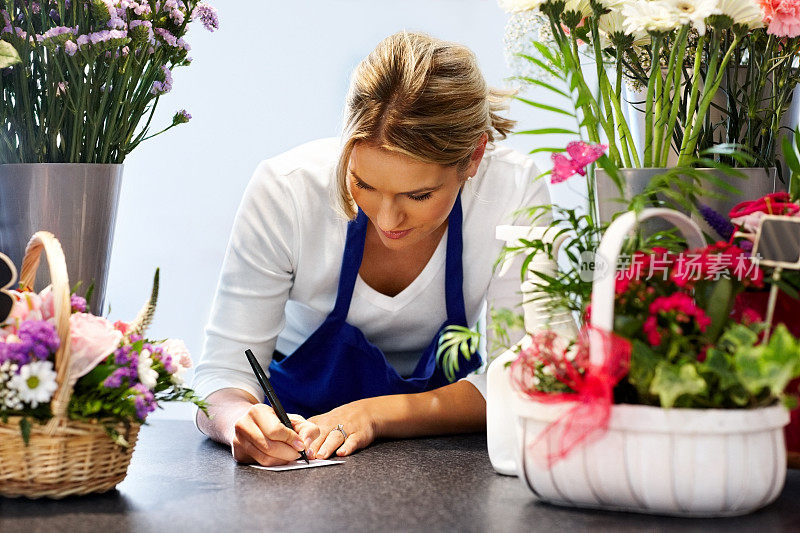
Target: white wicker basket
(686,462)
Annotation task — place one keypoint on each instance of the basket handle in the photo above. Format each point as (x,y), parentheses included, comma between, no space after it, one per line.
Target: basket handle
(609,250)
(44,240)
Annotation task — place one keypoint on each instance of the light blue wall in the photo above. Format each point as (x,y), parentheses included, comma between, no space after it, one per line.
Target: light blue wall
(274,76)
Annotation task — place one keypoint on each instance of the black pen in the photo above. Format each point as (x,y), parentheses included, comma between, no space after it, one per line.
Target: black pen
(271,396)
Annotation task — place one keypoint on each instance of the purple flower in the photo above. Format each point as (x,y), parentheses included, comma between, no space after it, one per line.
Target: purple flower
(181,117)
(207,15)
(167,37)
(37,339)
(143,400)
(164,86)
(70,48)
(141,30)
(54,16)
(718,223)
(115,379)
(78,303)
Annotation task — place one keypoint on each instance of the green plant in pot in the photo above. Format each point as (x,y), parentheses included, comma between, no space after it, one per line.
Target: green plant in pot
(77,95)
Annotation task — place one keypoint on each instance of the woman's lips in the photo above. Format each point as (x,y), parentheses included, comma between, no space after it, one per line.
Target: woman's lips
(396,234)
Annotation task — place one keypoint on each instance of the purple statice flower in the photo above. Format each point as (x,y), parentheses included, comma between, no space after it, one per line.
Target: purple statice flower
(184,45)
(70,48)
(116,23)
(207,15)
(181,117)
(36,8)
(165,86)
(140,9)
(167,37)
(122,355)
(115,379)
(54,16)
(144,401)
(37,339)
(78,303)
(6,21)
(718,223)
(59,30)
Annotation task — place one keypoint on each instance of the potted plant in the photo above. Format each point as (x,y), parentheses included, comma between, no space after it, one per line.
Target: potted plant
(80,98)
(710,73)
(666,404)
(75,388)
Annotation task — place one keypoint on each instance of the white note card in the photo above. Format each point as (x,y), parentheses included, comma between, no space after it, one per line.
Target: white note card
(299,464)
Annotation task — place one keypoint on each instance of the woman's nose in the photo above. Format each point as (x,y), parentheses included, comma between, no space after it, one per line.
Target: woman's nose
(389,215)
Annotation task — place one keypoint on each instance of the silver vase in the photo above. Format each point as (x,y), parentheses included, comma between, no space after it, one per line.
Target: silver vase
(76,202)
(752,184)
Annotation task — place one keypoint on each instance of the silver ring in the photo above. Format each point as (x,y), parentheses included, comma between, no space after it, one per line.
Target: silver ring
(341,428)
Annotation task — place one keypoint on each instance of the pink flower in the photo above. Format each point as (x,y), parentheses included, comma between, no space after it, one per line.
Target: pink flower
(178,351)
(782,17)
(580,155)
(93,339)
(122,327)
(28,306)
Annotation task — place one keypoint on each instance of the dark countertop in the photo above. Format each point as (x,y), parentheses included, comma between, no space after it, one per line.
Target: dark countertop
(179,481)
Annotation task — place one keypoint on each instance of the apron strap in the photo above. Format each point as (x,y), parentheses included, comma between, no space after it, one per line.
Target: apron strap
(454,270)
(351,263)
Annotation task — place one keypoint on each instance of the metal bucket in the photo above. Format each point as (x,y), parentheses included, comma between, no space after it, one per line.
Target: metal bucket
(77,202)
(755,183)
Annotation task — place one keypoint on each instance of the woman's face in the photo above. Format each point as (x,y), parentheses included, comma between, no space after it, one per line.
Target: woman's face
(406,200)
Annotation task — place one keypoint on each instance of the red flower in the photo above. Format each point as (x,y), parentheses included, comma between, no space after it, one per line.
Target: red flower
(678,307)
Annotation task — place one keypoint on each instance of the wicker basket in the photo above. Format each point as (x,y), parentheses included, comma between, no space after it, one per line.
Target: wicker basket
(64,457)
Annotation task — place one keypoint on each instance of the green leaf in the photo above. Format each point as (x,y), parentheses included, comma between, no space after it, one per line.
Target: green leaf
(548,149)
(540,83)
(719,365)
(542,65)
(8,55)
(544,106)
(672,381)
(25,428)
(545,131)
(643,366)
(770,366)
(718,308)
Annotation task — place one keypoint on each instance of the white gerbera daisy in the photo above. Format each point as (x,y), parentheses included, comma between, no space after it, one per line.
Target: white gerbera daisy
(645,16)
(612,25)
(578,6)
(694,12)
(147,375)
(746,13)
(35,383)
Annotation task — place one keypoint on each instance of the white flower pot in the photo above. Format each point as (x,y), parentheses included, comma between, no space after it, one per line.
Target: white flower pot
(500,418)
(687,462)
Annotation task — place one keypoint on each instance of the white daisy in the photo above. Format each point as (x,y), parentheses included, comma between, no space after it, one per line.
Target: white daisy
(694,12)
(147,375)
(578,6)
(35,383)
(745,13)
(645,16)
(612,24)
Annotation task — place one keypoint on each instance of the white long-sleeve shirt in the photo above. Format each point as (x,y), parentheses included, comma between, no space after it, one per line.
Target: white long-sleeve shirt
(281,269)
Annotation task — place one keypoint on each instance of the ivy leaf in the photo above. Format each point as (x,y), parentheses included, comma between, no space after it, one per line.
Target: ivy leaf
(718,364)
(8,55)
(672,381)
(770,365)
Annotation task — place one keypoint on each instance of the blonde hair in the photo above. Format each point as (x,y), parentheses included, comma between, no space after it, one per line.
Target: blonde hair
(422,97)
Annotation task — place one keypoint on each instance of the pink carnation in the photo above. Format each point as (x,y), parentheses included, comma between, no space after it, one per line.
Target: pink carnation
(178,351)
(93,339)
(782,17)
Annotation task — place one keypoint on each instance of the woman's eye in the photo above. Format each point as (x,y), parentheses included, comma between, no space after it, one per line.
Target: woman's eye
(362,185)
(420,197)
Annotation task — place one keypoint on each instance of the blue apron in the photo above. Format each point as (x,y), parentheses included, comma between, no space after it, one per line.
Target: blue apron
(337,364)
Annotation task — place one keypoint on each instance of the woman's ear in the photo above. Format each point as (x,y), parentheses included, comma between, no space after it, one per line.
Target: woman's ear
(477,156)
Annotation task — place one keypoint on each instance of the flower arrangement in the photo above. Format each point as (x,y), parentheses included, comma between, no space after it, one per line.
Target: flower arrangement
(80,76)
(684,53)
(117,375)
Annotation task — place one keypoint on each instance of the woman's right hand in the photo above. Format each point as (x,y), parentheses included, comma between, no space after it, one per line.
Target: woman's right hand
(260,437)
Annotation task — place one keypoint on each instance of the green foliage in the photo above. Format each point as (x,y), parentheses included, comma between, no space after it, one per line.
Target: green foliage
(8,55)
(739,371)
(455,342)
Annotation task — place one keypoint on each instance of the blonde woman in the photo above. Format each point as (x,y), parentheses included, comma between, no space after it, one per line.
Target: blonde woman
(349,256)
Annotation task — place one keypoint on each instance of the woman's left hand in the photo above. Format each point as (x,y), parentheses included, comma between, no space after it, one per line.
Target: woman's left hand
(357,424)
